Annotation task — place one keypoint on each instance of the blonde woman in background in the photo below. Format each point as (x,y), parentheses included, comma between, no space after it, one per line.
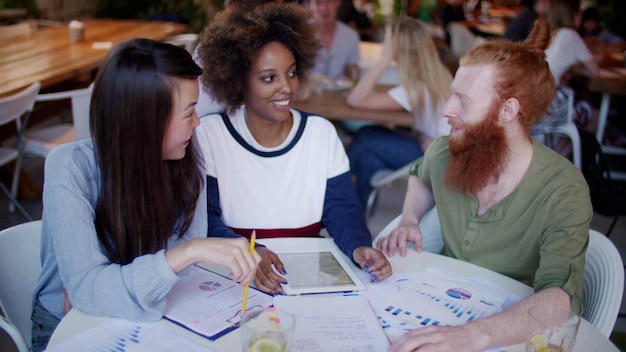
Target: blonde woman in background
(424,89)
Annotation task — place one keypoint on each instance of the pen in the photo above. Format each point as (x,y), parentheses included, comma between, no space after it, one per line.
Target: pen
(247,285)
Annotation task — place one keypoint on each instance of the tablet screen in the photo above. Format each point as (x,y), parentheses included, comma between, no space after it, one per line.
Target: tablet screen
(315,272)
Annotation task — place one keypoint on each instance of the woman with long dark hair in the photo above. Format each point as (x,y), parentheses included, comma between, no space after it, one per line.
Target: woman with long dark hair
(125,211)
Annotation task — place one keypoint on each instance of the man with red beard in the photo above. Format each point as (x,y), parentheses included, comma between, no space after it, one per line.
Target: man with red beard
(504,202)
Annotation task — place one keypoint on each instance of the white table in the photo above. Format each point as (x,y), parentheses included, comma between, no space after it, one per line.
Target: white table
(589,339)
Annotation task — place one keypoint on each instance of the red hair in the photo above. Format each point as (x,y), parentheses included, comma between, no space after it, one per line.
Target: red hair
(522,71)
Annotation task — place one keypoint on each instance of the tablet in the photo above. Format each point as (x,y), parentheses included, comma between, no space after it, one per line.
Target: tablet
(318,271)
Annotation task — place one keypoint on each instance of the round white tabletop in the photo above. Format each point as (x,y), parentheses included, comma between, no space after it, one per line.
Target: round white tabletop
(588,339)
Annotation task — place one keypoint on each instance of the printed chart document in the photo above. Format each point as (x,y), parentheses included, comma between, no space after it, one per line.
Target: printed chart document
(208,303)
(436,297)
(126,336)
(334,323)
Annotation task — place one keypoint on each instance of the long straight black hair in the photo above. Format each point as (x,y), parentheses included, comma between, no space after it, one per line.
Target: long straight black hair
(143,199)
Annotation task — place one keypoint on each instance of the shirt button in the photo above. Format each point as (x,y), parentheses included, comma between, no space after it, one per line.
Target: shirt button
(466,243)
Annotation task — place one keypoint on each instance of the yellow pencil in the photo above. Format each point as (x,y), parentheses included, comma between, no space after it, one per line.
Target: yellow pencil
(245,288)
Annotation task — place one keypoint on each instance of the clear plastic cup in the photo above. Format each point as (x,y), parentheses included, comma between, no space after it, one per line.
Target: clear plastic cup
(268,329)
(553,329)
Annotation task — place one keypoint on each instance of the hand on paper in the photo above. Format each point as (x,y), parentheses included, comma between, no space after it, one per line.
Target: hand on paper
(233,253)
(409,232)
(373,262)
(438,338)
(266,278)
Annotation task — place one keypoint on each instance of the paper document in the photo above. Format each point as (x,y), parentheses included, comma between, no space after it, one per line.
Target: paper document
(334,323)
(437,297)
(208,303)
(126,336)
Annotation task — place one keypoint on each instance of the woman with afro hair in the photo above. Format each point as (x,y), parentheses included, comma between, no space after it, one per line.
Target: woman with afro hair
(271,168)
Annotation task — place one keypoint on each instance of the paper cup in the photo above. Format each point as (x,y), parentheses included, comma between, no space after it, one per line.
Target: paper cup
(77,31)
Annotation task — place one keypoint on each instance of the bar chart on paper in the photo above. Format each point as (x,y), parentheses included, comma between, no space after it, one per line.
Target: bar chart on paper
(117,335)
(433,299)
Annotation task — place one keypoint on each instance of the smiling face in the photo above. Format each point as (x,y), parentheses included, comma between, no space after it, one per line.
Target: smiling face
(478,145)
(271,83)
(182,120)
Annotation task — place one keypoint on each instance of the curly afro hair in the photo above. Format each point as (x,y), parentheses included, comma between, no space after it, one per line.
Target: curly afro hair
(234,38)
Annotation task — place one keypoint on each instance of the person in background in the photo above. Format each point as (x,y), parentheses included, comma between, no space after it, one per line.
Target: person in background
(125,211)
(566,50)
(566,46)
(519,27)
(271,168)
(499,194)
(357,18)
(424,89)
(339,54)
(595,35)
(451,11)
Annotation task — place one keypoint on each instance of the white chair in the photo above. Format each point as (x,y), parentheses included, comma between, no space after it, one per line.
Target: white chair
(603,283)
(187,41)
(429,226)
(568,128)
(603,275)
(381,179)
(16,109)
(41,141)
(14,334)
(462,39)
(20,266)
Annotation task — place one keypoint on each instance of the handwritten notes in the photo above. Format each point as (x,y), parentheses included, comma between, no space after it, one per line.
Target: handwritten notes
(334,323)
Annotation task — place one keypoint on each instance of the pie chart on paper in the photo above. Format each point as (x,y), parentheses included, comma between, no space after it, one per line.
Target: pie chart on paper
(459,293)
(210,286)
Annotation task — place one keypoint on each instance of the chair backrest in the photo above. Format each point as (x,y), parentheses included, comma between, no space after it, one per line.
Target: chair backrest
(187,41)
(81,100)
(603,283)
(15,335)
(14,106)
(429,226)
(20,266)
(461,39)
(14,30)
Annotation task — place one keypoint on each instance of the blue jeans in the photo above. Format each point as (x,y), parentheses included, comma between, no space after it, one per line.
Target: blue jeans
(44,324)
(375,148)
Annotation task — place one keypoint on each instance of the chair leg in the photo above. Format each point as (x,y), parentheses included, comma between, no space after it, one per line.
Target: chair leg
(608,233)
(13,201)
(371,200)
(15,181)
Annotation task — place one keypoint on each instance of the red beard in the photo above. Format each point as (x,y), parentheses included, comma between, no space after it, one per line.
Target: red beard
(477,156)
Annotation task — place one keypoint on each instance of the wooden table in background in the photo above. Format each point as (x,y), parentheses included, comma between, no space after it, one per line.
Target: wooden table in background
(332,105)
(47,55)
